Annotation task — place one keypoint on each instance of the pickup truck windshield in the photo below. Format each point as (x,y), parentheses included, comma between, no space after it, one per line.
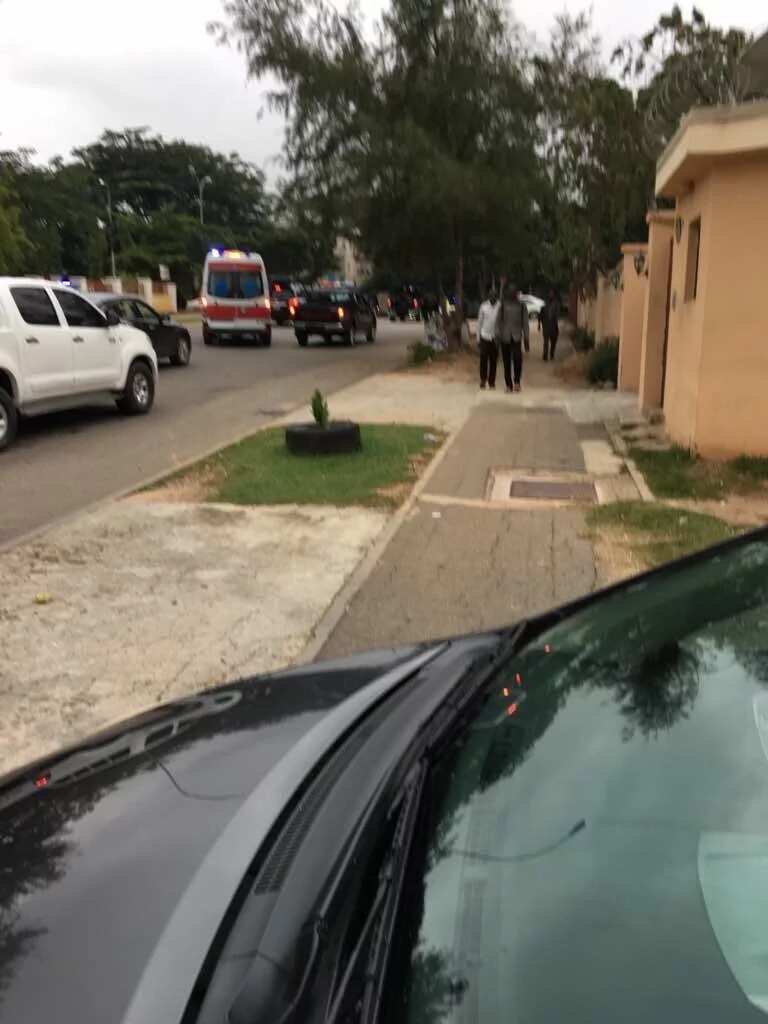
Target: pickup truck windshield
(598,844)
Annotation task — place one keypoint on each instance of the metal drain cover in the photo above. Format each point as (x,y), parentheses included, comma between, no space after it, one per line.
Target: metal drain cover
(553,490)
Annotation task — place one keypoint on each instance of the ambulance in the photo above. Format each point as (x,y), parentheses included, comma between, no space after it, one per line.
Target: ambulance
(234,299)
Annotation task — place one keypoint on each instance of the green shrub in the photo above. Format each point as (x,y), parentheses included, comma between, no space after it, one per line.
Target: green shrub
(320,409)
(603,363)
(420,353)
(583,340)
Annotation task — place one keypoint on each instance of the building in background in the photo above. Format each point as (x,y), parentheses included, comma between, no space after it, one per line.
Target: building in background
(354,267)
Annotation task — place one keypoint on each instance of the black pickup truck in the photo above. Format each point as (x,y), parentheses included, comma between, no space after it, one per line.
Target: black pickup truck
(335,313)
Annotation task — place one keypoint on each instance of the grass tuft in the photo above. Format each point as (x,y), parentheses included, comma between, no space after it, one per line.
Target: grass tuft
(658,533)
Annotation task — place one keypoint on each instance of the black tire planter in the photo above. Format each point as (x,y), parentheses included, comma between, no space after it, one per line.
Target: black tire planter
(340,437)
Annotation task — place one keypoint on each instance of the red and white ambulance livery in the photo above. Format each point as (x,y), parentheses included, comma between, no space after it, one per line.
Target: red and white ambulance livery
(234,299)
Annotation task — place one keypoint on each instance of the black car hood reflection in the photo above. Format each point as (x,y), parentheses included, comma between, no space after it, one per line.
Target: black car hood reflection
(98,843)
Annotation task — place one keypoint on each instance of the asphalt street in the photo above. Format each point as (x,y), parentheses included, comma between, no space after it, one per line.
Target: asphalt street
(66,461)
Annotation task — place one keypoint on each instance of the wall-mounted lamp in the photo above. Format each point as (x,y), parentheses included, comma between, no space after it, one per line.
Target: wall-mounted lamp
(615,279)
(639,263)
(678,229)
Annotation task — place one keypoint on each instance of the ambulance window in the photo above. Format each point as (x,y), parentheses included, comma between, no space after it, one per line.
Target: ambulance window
(235,284)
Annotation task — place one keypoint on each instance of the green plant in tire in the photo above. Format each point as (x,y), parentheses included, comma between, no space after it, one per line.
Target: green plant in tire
(320,409)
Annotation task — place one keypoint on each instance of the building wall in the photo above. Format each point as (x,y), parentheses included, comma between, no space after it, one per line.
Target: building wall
(608,309)
(631,322)
(585,313)
(353,266)
(686,319)
(733,393)
(660,229)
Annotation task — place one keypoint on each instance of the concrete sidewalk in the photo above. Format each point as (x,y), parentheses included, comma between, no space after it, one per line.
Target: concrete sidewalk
(460,563)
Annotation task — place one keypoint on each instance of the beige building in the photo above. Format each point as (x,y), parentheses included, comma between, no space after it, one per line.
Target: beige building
(354,268)
(600,314)
(714,364)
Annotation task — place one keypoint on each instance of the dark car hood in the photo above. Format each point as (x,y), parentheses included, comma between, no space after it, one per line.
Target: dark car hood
(98,844)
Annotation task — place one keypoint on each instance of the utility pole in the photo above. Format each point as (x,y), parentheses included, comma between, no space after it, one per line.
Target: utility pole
(109,221)
(201,183)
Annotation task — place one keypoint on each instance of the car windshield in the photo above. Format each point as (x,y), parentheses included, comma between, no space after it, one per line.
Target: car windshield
(599,838)
(235,284)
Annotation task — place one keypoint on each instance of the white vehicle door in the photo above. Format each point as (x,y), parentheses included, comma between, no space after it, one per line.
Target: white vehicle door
(94,343)
(44,343)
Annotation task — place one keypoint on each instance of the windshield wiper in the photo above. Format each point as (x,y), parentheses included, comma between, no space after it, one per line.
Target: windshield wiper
(378,927)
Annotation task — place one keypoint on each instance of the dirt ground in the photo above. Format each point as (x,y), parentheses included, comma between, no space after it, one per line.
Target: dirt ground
(141,602)
(614,558)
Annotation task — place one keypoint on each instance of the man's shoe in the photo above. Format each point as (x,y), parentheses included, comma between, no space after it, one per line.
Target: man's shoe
(491,387)
(482,386)
(518,387)
(508,390)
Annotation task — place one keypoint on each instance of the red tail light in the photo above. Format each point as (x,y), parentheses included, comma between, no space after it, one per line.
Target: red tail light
(340,311)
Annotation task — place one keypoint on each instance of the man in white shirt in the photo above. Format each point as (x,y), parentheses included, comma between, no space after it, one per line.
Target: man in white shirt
(486,336)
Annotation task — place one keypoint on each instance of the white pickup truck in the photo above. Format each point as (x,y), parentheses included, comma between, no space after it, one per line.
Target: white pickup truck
(58,351)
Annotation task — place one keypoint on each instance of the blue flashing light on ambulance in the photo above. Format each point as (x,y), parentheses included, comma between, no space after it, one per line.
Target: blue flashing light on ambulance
(234,299)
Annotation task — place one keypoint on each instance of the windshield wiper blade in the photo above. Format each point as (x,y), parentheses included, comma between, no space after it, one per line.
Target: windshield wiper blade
(377,930)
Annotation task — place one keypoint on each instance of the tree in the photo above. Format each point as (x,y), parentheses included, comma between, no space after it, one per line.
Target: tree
(599,180)
(13,241)
(419,145)
(680,64)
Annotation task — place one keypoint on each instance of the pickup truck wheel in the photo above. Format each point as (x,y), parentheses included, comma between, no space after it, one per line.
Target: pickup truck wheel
(302,337)
(183,352)
(349,336)
(208,337)
(370,334)
(266,338)
(139,393)
(8,420)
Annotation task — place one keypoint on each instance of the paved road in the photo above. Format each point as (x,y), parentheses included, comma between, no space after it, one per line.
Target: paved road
(63,462)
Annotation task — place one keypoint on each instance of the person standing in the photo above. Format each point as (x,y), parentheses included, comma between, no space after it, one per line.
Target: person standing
(550,327)
(512,333)
(486,336)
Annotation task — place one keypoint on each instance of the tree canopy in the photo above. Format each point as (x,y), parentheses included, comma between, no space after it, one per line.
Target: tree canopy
(442,142)
(55,218)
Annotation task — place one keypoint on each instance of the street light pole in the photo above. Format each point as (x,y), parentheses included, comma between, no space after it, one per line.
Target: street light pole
(109,221)
(201,183)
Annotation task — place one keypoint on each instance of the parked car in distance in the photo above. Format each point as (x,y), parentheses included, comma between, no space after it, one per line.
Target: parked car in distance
(286,296)
(335,313)
(169,339)
(235,299)
(397,835)
(532,303)
(58,350)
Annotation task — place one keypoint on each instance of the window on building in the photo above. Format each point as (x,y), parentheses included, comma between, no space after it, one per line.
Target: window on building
(692,263)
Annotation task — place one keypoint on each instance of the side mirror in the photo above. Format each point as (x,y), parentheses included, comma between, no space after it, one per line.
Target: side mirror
(165,318)
(112,318)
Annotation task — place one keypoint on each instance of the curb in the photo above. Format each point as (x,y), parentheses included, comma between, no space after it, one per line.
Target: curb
(621,448)
(639,481)
(336,610)
(140,485)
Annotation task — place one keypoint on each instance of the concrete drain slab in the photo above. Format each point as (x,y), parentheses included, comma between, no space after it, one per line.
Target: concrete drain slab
(554,490)
(531,488)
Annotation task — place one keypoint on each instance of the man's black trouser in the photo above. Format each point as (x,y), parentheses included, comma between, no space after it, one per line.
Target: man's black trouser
(550,340)
(488,358)
(512,356)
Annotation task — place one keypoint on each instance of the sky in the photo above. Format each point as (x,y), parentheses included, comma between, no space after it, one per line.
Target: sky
(70,70)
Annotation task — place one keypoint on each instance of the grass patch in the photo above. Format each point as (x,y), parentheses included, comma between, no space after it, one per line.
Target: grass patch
(657,533)
(679,474)
(261,471)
